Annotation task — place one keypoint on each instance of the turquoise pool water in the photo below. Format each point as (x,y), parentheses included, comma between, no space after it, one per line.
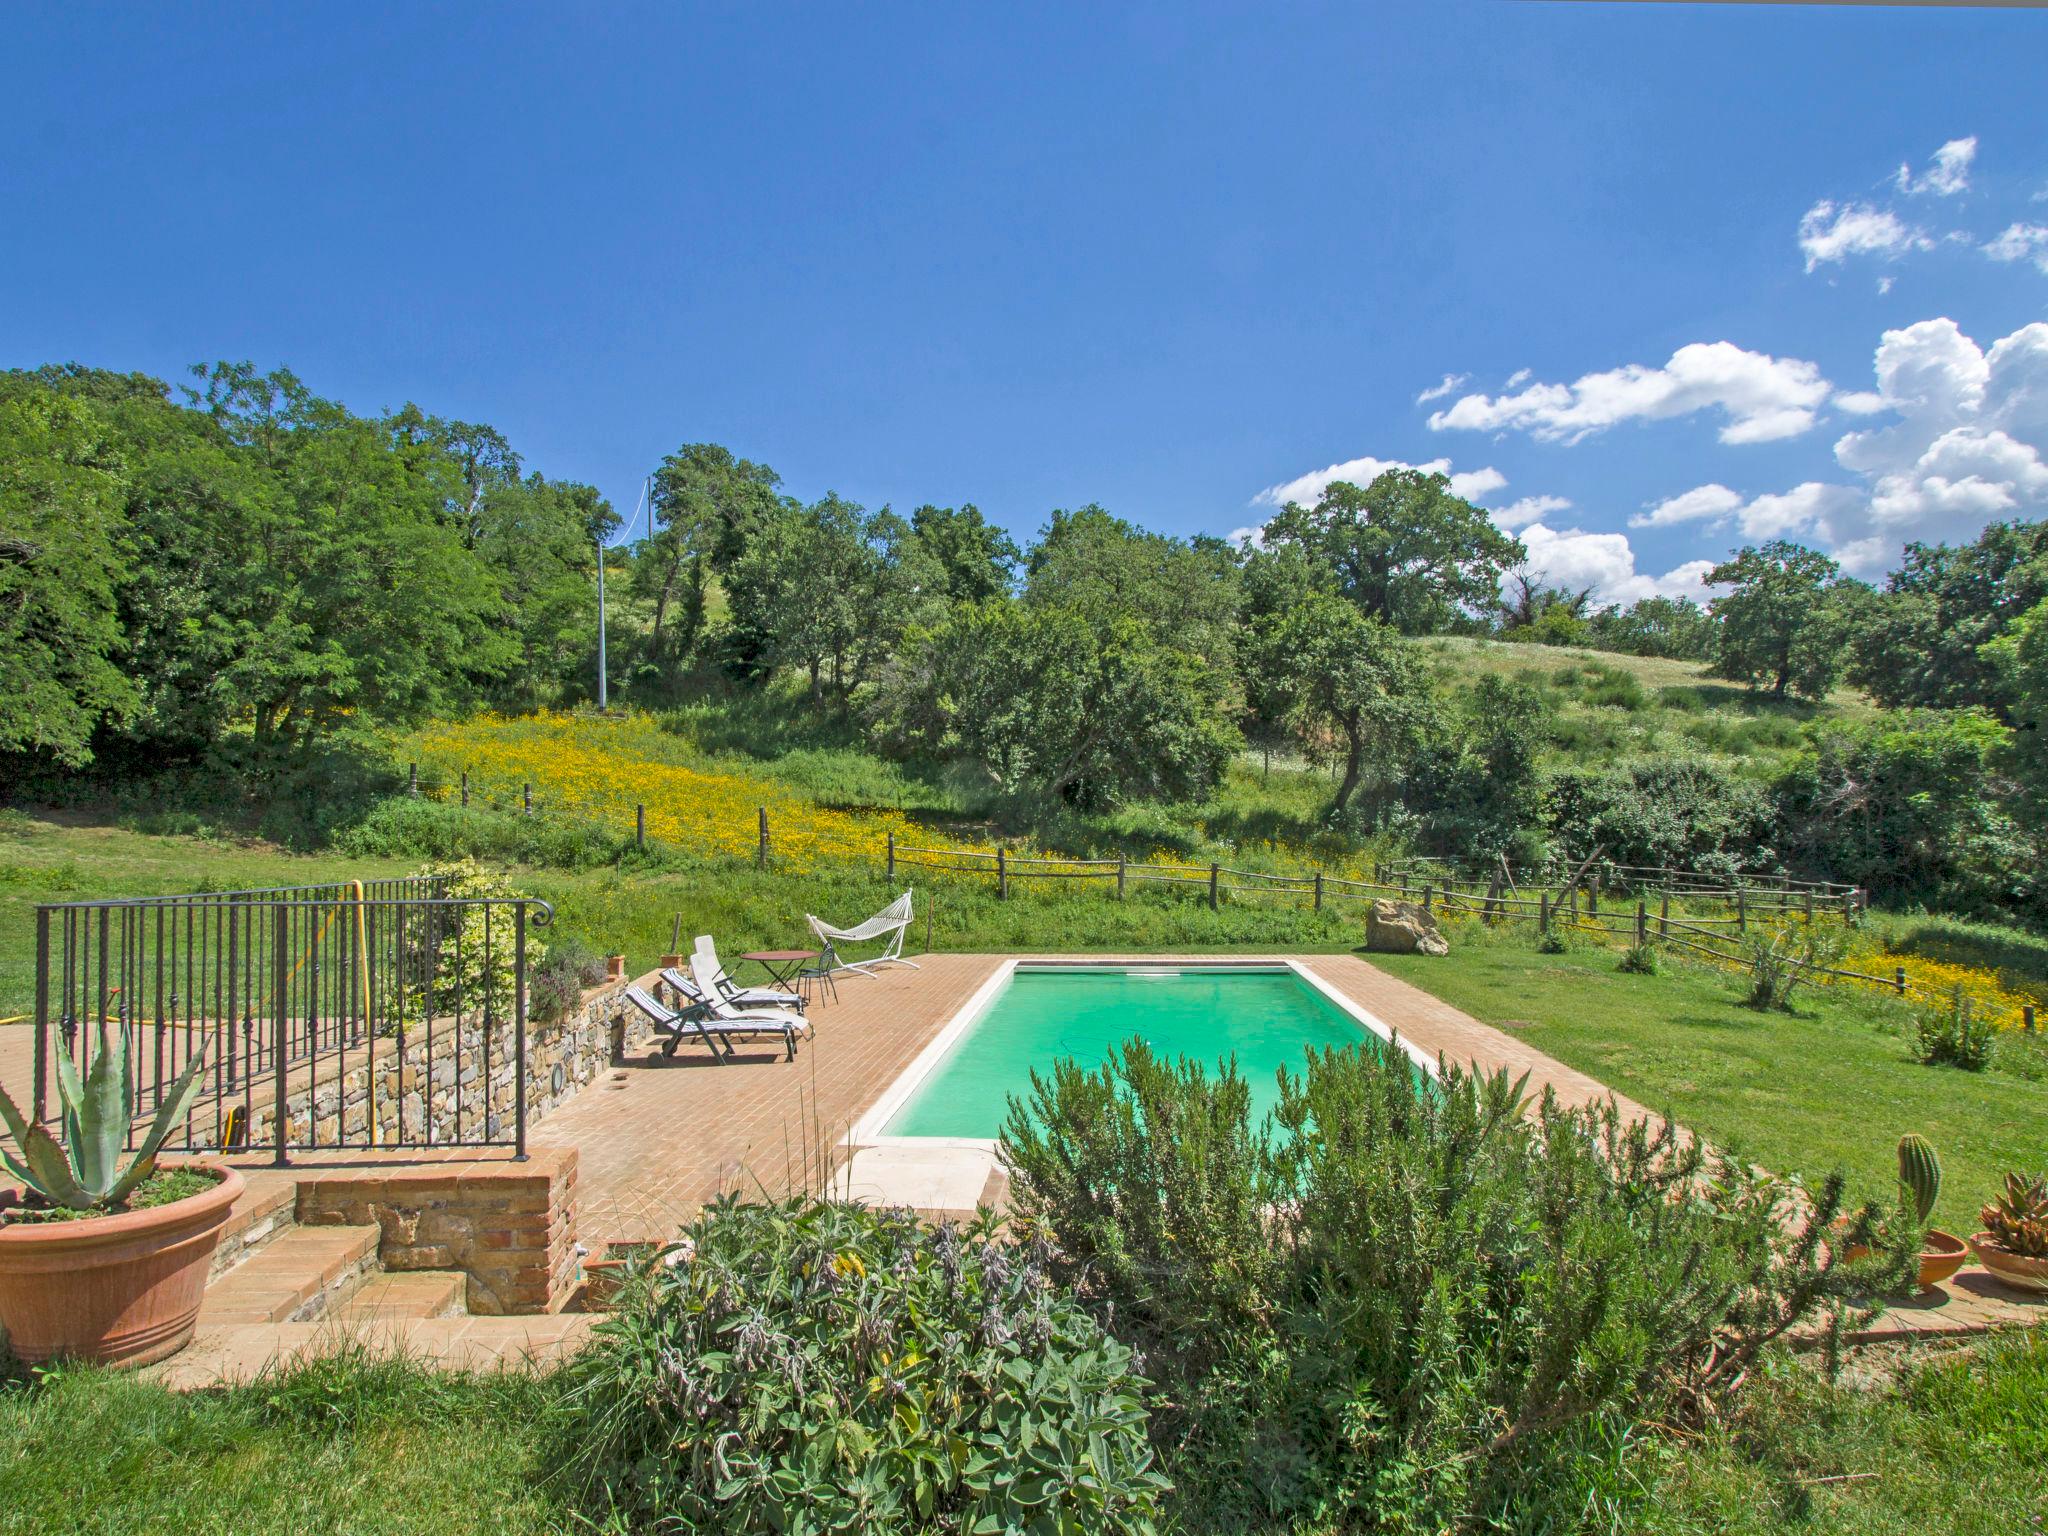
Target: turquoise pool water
(1267,1019)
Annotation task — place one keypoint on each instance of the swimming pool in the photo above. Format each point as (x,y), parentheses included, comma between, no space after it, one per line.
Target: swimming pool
(1031,1013)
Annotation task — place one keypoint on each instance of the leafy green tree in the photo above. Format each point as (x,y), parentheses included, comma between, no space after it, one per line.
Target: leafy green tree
(1353,691)
(979,560)
(1656,626)
(828,589)
(707,504)
(1785,625)
(1923,640)
(60,560)
(1476,781)
(1909,805)
(1529,612)
(1056,701)
(539,537)
(1104,568)
(1403,550)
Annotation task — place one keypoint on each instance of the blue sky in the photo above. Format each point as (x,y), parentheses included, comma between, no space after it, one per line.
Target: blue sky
(1163,258)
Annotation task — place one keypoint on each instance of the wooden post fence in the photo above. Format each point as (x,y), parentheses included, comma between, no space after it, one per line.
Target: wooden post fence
(465,786)
(761,848)
(526,796)
(412,778)
(1121,861)
(1319,890)
(1642,925)
(1741,911)
(1002,876)
(1543,911)
(640,827)
(1664,915)
(892,856)
(1214,871)
(1899,979)
(1809,908)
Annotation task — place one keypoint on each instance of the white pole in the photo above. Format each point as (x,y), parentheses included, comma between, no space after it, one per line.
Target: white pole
(601,694)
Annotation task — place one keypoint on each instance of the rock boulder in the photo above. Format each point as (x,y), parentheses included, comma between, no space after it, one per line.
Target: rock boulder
(1403,928)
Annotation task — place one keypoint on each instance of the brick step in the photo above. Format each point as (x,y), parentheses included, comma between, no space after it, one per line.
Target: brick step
(223,1355)
(298,1276)
(404,1295)
(264,1212)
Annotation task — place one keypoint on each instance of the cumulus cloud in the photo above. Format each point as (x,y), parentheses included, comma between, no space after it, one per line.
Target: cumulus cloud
(1764,398)
(1520,377)
(1471,483)
(1835,232)
(1713,501)
(1805,509)
(1519,514)
(1437,391)
(2021,242)
(1947,174)
(1968,444)
(1606,563)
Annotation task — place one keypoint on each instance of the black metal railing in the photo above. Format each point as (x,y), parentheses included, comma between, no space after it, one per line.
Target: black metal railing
(374,1014)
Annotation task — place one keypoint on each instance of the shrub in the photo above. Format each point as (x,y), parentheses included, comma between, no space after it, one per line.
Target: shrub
(403,827)
(1952,1036)
(1553,942)
(810,1366)
(1406,1306)
(1778,959)
(1638,960)
(558,982)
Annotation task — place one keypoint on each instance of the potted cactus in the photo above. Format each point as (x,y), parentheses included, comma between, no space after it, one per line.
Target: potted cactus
(1941,1253)
(104,1256)
(2014,1242)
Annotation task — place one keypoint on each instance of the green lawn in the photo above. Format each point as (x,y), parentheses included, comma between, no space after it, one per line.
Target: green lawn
(1832,1085)
(1949,1441)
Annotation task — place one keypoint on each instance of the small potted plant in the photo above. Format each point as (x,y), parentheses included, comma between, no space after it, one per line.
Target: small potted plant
(1941,1253)
(102,1257)
(2014,1242)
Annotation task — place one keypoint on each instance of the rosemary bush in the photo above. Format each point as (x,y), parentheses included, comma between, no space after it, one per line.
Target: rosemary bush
(808,1366)
(1404,1306)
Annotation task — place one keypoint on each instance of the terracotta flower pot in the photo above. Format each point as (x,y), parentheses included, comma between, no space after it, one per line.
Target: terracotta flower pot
(1941,1256)
(2010,1268)
(119,1290)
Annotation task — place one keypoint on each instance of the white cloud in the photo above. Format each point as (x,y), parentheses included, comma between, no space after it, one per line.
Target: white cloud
(1704,501)
(1884,284)
(1968,444)
(1471,483)
(1519,377)
(1606,563)
(1518,514)
(1764,398)
(1437,391)
(1828,232)
(1805,508)
(2021,242)
(1948,175)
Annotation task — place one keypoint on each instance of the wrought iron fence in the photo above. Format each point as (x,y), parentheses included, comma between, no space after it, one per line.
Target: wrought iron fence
(367,1014)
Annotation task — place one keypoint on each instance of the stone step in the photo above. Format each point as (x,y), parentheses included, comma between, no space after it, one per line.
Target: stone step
(395,1295)
(298,1276)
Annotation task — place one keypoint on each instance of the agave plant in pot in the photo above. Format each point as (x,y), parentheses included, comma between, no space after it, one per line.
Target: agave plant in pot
(103,1252)
(2014,1242)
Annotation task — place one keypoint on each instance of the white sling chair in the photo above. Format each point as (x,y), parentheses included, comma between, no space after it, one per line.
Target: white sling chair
(890,923)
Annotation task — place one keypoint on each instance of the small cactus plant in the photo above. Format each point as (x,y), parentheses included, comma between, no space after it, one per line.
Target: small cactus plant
(1919,1174)
(2018,1219)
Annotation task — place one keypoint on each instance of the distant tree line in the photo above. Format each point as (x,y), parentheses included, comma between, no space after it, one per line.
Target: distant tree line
(239,570)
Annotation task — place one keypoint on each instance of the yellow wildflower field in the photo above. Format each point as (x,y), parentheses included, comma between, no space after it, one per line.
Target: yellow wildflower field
(600,769)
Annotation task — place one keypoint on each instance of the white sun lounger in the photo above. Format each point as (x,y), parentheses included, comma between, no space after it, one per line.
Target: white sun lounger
(890,924)
(733,992)
(697,1022)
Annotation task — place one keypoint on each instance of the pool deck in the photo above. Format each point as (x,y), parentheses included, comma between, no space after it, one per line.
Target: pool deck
(657,1139)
